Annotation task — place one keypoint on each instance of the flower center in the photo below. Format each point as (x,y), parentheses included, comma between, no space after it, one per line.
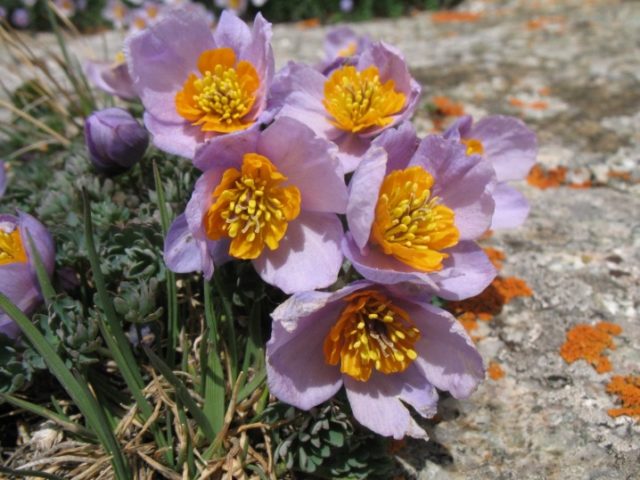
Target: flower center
(474,146)
(410,224)
(371,333)
(357,100)
(11,248)
(221,99)
(251,207)
(349,50)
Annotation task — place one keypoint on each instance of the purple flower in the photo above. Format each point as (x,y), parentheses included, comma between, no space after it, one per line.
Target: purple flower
(414,210)
(353,104)
(270,197)
(340,45)
(111,77)
(18,279)
(116,12)
(511,148)
(66,7)
(346,5)
(386,349)
(20,18)
(196,85)
(236,6)
(3,179)
(115,140)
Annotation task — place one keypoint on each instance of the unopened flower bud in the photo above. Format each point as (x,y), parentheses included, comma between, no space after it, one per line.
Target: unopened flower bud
(116,141)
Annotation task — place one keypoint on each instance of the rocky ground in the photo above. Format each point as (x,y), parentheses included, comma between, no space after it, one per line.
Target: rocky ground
(571,70)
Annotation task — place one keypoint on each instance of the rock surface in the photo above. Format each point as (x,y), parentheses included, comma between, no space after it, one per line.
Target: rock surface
(571,70)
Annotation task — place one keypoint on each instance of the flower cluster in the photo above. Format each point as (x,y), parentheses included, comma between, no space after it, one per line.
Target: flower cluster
(312,171)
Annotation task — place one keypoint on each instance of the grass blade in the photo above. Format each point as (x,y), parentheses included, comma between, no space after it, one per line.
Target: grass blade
(112,331)
(213,371)
(48,292)
(78,391)
(172,295)
(183,394)
(61,420)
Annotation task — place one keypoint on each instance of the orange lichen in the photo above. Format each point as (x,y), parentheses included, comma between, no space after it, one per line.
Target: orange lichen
(443,108)
(535,105)
(539,105)
(620,175)
(541,22)
(451,16)
(496,256)
(587,342)
(516,102)
(447,107)
(545,91)
(469,321)
(495,371)
(490,302)
(551,178)
(511,287)
(308,23)
(628,391)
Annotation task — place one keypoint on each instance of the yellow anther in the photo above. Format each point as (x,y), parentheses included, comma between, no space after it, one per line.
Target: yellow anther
(356,100)
(360,342)
(11,246)
(411,224)
(474,146)
(222,98)
(252,208)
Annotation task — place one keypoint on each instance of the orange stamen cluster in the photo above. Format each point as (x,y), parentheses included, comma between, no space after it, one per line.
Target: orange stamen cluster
(410,224)
(357,100)
(371,333)
(11,246)
(252,208)
(221,98)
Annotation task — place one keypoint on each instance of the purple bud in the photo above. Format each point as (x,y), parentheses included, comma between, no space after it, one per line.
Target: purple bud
(116,141)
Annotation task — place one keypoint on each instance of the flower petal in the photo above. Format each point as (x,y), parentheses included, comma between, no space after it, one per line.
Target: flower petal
(466,273)
(308,257)
(459,129)
(509,145)
(296,369)
(178,138)
(400,143)
(463,182)
(364,189)
(111,78)
(377,405)
(378,267)
(227,150)
(181,251)
(42,240)
(446,354)
(162,56)
(511,207)
(232,32)
(309,162)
